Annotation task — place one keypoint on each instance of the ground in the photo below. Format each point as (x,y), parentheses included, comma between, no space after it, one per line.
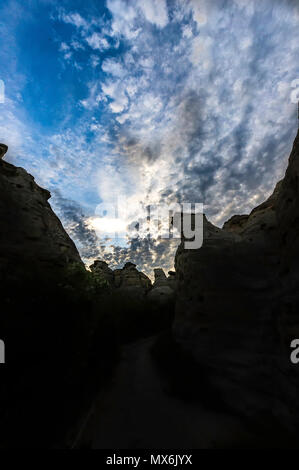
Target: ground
(135,411)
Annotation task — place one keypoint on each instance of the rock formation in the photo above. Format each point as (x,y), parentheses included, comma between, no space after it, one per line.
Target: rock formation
(129,280)
(50,321)
(102,269)
(238,302)
(163,288)
(3,150)
(172,281)
(160,278)
(126,280)
(30,233)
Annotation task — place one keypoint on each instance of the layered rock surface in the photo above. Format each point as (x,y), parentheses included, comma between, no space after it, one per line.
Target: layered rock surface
(102,269)
(30,233)
(238,303)
(129,280)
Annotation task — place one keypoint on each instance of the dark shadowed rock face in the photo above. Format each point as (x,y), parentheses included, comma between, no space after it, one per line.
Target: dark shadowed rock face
(160,278)
(163,288)
(3,150)
(128,279)
(237,304)
(30,232)
(131,281)
(235,223)
(50,319)
(102,269)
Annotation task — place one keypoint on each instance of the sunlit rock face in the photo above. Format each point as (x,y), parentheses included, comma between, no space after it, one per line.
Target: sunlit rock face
(238,302)
(30,233)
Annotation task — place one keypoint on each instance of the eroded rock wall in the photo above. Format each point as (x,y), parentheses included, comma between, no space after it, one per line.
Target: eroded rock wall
(237,303)
(30,233)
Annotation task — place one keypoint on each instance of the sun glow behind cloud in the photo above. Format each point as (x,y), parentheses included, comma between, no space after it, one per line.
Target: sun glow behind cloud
(152,100)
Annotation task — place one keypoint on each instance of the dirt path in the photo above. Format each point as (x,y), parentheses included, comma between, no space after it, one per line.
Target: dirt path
(134,411)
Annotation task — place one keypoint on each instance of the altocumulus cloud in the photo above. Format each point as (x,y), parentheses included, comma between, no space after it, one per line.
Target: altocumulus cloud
(162,101)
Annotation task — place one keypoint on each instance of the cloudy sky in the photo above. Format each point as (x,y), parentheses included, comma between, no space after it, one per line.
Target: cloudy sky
(149,101)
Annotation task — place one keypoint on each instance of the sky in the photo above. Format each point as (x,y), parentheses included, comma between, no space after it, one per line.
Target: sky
(148,102)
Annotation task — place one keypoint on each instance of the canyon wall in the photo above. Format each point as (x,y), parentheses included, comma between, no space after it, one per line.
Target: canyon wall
(59,346)
(237,306)
(30,233)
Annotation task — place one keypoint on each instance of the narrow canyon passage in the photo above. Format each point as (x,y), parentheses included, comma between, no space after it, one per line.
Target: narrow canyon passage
(135,411)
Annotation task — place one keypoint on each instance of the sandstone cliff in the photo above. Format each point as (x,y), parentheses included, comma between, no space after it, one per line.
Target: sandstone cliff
(135,284)
(238,302)
(30,233)
(59,347)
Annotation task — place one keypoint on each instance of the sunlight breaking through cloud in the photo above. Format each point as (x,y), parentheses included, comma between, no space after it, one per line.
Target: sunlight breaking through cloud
(159,102)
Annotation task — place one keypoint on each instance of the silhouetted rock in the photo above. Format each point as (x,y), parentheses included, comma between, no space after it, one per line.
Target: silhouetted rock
(238,301)
(235,223)
(160,278)
(163,289)
(129,265)
(131,281)
(3,150)
(50,320)
(172,280)
(30,233)
(102,269)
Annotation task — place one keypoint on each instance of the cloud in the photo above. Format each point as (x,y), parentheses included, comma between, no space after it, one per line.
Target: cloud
(94,98)
(76,223)
(155,11)
(147,254)
(113,67)
(116,92)
(74,19)
(123,19)
(96,41)
(171,101)
(199,12)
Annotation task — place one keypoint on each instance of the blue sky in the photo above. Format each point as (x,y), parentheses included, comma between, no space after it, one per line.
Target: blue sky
(152,100)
